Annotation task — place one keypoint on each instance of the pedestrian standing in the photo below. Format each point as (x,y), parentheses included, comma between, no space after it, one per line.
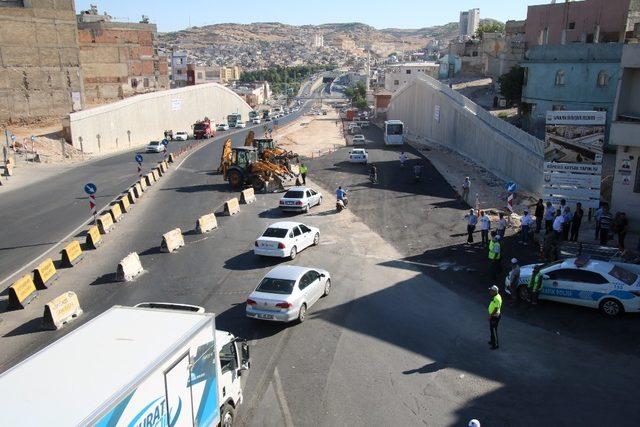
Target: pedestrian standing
(303,173)
(557,224)
(472,220)
(548,217)
(502,225)
(539,213)
(466,186)
(567,217)
(525,225)
(495,307)
(606,221)
(495,255)
(576,222)
(514,279)
(485,226)
(535,285)
(597,216)
(621,226)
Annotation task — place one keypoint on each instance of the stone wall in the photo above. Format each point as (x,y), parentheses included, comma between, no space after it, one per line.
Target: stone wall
(39,62)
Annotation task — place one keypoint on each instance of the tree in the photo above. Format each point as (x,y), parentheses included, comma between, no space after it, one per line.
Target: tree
(511,84)
(494,27)
(361,103)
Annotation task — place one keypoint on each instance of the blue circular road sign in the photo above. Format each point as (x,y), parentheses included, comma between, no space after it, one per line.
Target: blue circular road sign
(165,142)
(33,138)
(13,138)
(511,187)
(90,188)
(139,158)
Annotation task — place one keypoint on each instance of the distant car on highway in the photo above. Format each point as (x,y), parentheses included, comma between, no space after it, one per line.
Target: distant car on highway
(286,293)
(241,125)
(267,119)
(300,199)
(358,155)
(222,126)
(155,147)
(256,121)
(354,129)
(285,239)
(359,140)
(181,136)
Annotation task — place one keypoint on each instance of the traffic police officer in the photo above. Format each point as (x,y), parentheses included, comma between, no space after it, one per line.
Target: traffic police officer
(494,315)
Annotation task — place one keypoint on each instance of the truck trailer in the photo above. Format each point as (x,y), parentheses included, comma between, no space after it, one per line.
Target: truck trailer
(149,365)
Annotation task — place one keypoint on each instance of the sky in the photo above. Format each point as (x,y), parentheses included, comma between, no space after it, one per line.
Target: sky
(171,15)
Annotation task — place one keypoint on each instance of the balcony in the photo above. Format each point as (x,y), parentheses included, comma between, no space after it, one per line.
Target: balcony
(625,130)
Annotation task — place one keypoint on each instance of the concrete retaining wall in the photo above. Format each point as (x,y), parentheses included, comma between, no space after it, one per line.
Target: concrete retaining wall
(433,112)
(137,120)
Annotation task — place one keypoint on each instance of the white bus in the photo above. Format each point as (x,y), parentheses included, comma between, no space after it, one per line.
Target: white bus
(393,132)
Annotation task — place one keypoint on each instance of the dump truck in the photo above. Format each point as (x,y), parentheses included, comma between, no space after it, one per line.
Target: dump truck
(156,364)
(203,129)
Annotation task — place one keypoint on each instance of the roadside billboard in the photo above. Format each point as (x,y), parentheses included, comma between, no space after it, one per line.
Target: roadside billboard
(574,142)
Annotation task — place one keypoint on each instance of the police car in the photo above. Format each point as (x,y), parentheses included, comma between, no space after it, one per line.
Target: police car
(610,287)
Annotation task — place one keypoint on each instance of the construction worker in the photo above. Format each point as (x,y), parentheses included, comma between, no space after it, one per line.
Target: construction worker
(535,285)
(303,172)
(494,315)
(495,256)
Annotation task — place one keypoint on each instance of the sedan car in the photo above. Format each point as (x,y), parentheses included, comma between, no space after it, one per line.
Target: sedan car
(286,239)
(181,136)
(359,140)
(358,155)
(609,287)
(241,125)
(300,199)
(222,126)
(287,292)
(155,147)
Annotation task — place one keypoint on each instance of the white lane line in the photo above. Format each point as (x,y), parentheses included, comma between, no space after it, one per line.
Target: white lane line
(288,421)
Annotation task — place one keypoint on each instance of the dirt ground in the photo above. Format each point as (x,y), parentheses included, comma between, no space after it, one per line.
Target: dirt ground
(47,146)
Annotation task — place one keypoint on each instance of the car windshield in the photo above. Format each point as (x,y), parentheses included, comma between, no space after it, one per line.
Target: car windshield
(278,233)
(293,195)
(623,275)
(276,286)
(155,143)
(358,151)
(199,127)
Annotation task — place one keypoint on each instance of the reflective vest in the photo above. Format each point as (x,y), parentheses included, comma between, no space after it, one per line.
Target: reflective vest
(492,254)
(496,302)
(535,284)
(303,169)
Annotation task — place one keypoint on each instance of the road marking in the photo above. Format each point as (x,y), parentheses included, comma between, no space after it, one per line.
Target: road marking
(288,421)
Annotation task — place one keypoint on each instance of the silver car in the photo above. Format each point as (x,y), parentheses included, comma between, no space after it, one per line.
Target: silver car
(287,292)
(300,199)
(155,147)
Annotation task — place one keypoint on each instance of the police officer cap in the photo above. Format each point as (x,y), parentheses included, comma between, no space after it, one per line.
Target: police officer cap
(474,423)
(494,288)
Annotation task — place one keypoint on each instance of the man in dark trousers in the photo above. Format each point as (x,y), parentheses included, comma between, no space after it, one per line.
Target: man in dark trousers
(606,220)
(303,173)
(539,214)
(576,221)
(494,315)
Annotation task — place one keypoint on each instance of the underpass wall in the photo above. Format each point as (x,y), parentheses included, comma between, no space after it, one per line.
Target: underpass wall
(432,112)
(135,121)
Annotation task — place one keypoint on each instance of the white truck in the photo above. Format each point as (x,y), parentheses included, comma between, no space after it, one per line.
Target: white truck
(155,364)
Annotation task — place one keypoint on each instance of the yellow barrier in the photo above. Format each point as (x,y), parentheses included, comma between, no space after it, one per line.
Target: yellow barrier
(123,202)
(116,213)
(156,174)
(137,190)
(150,179)
(206,223)
(129,268)
(22,292)
(171,159)
(94,238)
(172,240)
(45,274)
(247,196)
(60,311)
(143,185)
(72,254)
(105,223)
(231,206)
(163,166)
(131,195)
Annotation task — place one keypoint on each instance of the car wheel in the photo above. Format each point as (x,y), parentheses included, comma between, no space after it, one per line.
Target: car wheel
(327,288)
(611,307)
(306,208)
(235,179)
(316,239)
(227,416)
(302,314)
(293,253)
(523,293)
(319,201)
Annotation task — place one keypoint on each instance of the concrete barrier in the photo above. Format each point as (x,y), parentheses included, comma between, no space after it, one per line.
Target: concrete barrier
(105,223)
(137,190)
(143,184)
(149,179)
(124,203)
(72,254)
(163,166)
(8,169)
(155,174)
(206,223)
(172,240)
(22,292)
(94,238)
(129,268)
(171,159)
(231,206)
(60,311)
(247,196)
(116,213)
(45,274)
(131,195)
(158,169)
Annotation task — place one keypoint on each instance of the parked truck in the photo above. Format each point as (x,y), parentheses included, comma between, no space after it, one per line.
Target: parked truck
(234,118)
(203,129)
(155,364)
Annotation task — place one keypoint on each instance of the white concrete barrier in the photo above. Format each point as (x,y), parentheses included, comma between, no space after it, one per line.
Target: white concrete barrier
(172,240)
(232,206)
(247,196)
(129,268)
(206,223)
(61,310)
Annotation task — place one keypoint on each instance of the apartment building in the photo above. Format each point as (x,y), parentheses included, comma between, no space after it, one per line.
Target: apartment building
(468,24)
(230,74)
(178,69)
(397,75)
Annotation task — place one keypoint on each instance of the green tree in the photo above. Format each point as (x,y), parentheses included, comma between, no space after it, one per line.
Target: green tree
(494,27)
(511,84)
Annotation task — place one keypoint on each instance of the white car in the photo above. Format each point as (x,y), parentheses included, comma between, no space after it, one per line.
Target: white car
(359,140)
(609,287)
(287,292)
(358,155)
(286,239)
(300,199)
(181,136)
(155,147)
(241,125)
(355,129)
(222,126)
(256,121)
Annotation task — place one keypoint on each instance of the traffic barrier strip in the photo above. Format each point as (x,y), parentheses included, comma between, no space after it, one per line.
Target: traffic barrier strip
(131,195)
(123,202)
(94,238)
(158,170)
(129,268)
(149,180)
(163,166)
(231,206)
(143,185)
(72,254)
(171,159)
(8,169)
(60,311)
(155,174)
(22,292)
(206,223)
(172,240)
(116,213)
(247,196)
(45,274)
(105,223)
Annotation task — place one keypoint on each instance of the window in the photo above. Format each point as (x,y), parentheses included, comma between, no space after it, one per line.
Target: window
(396,82)
(296,231)
(572,25)
(278,233)
(145,82)
(11,3)
(308,193)
(228,358)
(560,78)
(575,275)
(134,83)
(603,79)
(408,71)
(474,53)
(623,275)
(558,107)
(304,281)
(276,286)
(305,229)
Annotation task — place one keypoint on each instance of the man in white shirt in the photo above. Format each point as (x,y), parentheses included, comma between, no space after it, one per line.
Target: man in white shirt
(466,185)
(526,221)
(557,224)
(485,226)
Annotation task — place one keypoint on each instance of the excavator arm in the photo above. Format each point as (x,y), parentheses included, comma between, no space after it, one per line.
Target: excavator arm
(226,158)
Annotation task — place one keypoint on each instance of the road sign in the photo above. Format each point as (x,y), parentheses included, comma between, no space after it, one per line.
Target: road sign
(90,188)
(13,138)
(165,142)
(573,168)
(33,138)
(511,187)
(577,180)
(139,158)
